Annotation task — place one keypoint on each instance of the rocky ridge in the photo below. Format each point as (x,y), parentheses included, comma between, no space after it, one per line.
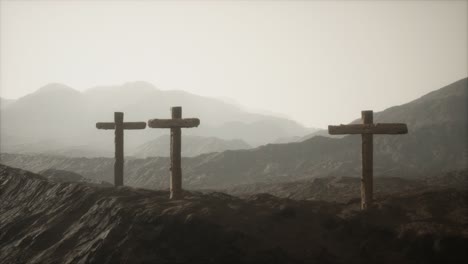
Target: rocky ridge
(46,222)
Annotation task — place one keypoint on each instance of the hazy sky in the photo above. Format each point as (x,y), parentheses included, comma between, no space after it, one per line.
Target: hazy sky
(318,62)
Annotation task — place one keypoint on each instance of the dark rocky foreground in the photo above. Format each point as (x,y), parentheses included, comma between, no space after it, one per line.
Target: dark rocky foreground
(62,176)
(46,222)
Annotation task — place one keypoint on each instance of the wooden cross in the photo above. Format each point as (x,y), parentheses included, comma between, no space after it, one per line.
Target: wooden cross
(367,130)
(119,125)
(175,124)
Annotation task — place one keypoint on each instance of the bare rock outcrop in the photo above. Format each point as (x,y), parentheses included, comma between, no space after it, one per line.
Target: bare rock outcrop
(46,222)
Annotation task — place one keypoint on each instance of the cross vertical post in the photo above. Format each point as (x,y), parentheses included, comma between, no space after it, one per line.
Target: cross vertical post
(119,149)
(176,149)
(367,162)
(176,123)
(119,126)
(367,130)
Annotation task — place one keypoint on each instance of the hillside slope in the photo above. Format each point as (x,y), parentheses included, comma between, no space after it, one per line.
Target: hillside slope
(44,222)
(192,146)
(345,189)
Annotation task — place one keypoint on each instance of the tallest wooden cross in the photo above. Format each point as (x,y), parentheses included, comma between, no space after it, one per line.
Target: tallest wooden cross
(367,130)
(175,124)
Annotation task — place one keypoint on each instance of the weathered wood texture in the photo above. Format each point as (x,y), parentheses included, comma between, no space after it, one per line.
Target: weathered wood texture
(367,163)
(119,126)
(388,128)
(119,149)
(176,153)
(367,130)
(126,125)
(174,123)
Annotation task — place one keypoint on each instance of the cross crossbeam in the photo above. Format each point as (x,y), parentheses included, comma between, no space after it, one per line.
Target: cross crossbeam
(126,125)
(367,130)
(175,124)
(387,129)
(119,126)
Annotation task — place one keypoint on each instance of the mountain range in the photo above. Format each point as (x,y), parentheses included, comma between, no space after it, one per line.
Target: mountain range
(59,120)
(436,143)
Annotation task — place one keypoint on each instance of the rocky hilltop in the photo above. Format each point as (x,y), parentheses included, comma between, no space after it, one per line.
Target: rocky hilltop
(54,175)
(46,222)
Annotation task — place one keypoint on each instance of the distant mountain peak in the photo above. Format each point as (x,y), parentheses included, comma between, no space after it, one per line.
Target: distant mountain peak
(54,87)
(133,87)
(140,85)
(458,88)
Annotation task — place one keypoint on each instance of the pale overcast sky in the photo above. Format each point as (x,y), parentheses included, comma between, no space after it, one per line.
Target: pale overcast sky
(318,62)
